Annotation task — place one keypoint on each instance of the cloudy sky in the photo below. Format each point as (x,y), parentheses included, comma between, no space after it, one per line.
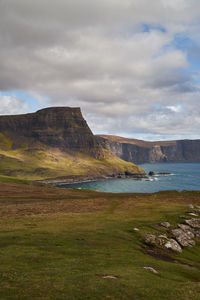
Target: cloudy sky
(132,65)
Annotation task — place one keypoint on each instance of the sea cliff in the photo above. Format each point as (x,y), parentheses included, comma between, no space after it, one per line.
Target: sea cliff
(138,151)
(56,142)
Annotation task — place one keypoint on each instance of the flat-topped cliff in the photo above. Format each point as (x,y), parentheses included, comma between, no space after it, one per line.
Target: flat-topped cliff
(138,151)
(60,127)
(56,142)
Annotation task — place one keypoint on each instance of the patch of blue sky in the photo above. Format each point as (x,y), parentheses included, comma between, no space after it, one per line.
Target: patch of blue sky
(157,106)
(32,102)
(150,27)
(184,43)
(175,107)
(143,28)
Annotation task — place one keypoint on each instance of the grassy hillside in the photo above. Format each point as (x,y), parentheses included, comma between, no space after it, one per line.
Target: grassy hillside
(46,162)
(77,245)
(54,142)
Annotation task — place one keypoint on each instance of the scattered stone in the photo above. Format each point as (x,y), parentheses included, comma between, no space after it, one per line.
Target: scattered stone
(136,229)
(191,206)
(109,277)
(164,236)
(165,224)
(197,234)
(162,239)
(186,228)
(195,223)
(173,245)
(193,214)
(151,270)
(150,239)
(184,237)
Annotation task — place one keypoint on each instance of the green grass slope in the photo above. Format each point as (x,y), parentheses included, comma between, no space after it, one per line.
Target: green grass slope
(61,244)
(45,162)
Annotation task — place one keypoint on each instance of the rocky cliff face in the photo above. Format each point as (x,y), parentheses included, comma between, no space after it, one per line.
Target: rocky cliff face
(138,152)
(60,127)
(56,143)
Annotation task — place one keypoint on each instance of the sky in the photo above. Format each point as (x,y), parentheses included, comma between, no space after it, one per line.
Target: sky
(133,66)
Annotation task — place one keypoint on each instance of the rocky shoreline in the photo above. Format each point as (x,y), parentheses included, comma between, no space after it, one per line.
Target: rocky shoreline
(152,173)
(81,178)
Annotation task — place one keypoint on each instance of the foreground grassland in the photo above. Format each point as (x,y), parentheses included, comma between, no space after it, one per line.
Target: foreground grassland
(59,244)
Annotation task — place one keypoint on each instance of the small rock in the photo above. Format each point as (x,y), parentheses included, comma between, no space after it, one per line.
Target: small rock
(184,237)
(185,228)
(151,173)
(109,277)
(151,270)
(136,229)
(182,217)
(197,234)
(150,239)
(191,206)
(165,224)
(173,245)
(193,214)
(162,240)
(164,236)
(195,223)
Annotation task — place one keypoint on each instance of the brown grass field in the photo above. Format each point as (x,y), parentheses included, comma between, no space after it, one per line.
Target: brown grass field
(79,244)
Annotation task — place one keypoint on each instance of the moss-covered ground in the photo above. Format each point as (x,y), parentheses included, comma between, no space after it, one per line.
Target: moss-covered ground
(60,243)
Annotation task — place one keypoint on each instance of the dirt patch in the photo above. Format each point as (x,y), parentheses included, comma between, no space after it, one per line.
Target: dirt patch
(162,254)
(155,253)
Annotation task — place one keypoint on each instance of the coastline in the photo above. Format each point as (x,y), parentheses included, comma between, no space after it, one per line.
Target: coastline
(64,180)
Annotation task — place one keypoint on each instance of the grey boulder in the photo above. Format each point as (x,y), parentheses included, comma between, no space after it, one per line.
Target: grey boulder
(173,245)
(184,237)
(195,223)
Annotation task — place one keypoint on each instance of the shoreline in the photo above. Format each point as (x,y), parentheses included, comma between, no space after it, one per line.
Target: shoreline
(81,179)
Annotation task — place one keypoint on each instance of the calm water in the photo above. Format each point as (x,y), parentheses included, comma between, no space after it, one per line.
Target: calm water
(185,176)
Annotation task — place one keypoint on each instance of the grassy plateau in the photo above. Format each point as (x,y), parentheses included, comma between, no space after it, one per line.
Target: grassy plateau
(79,244)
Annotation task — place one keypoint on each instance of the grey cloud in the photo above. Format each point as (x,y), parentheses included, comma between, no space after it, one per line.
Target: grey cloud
(92,54)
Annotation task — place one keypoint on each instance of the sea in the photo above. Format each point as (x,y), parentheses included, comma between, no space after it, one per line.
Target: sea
(183,176)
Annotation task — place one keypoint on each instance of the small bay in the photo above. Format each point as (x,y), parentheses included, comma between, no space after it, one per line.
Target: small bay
(183,176)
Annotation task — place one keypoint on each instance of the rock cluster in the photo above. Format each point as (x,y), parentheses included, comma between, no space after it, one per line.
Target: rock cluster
(181,236)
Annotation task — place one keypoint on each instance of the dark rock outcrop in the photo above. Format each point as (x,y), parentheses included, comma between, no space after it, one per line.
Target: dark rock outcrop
(138,151)
(60,127)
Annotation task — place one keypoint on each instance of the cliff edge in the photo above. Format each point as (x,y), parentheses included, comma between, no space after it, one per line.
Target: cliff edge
(55,142)
(59,127)
(139,151)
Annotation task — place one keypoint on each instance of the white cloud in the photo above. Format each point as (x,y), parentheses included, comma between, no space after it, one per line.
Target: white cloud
(174,108)
(12,105)
(97,55)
